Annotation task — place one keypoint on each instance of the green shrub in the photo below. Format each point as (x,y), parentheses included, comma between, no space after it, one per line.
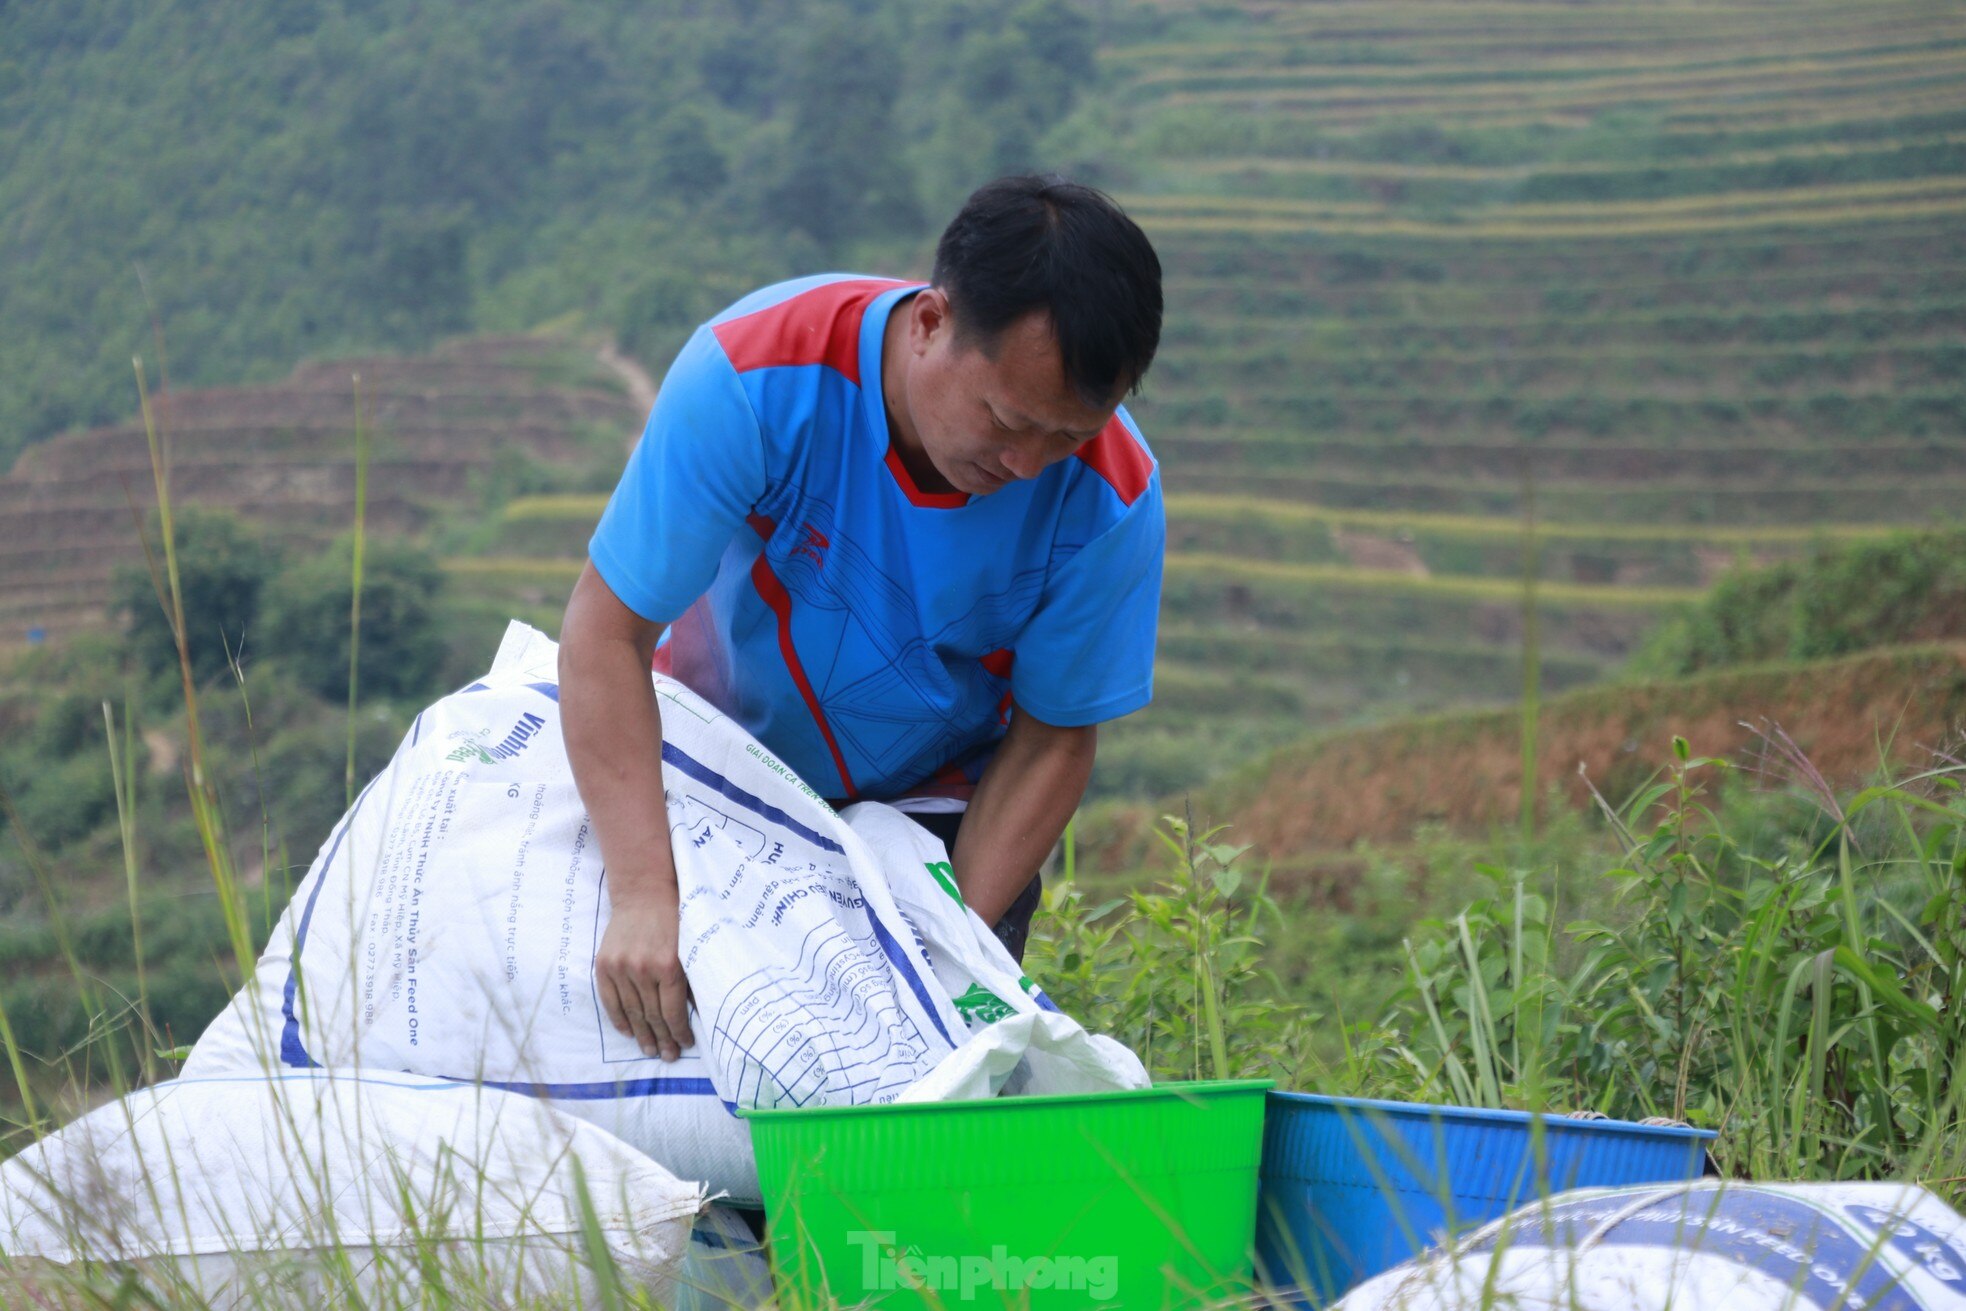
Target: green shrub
(402,646)
(1841,599)
(1785,967)
(69,1005)
(62,799)
(223,565)
(1176,971)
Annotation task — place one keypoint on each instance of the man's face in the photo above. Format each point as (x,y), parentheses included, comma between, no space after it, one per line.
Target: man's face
(986,417)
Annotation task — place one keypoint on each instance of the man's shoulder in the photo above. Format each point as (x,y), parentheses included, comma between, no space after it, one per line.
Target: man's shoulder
(780,295)
(1122,466)
(803,323)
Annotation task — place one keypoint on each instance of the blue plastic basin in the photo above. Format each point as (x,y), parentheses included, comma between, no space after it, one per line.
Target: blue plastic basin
(1351,1187)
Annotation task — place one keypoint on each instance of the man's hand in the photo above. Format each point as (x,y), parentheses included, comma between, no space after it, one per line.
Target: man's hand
(614,743)
(639,974)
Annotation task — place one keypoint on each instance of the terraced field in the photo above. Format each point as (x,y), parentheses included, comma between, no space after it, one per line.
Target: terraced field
(1281,616)
(1695,275)
(446,428)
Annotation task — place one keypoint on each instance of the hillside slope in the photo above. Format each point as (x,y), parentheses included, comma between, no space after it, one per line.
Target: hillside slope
(1692,279)
(1464,771)
(1694,276)
(275,179)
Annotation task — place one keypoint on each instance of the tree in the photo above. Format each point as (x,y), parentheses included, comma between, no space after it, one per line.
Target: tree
(223,566)
(1000,82)
(402,648)
(687,163)
(845,176)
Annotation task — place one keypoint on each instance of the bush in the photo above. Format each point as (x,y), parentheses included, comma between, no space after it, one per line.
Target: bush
(1841,599)
(223,565)
(1175,971)
(62,799)
(401,642)
(1788,968)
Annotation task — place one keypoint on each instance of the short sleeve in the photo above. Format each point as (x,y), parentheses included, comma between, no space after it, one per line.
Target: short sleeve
(1087,655)
(697,471)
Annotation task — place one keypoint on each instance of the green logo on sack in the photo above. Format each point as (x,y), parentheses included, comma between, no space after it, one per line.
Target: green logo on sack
(945,874)
(514,742)
(981,1006)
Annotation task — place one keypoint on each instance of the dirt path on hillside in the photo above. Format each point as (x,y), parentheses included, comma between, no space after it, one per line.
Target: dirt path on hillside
(641,387)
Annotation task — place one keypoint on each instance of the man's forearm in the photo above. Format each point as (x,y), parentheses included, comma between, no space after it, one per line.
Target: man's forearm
(1026,797)
(614,744)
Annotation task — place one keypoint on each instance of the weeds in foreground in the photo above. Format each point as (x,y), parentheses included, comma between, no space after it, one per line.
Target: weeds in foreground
(1804,1001)
(1176,970)
(1800,991)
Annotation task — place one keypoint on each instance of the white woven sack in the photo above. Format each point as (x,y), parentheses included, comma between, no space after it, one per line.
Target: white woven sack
(1697,1247)
(448,927)
(255,1191)
(725,1268)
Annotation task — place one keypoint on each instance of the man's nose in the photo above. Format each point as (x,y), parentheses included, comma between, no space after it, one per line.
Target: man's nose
(1022,463)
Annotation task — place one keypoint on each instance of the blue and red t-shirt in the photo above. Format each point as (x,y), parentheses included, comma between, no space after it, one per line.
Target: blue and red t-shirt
(871,634)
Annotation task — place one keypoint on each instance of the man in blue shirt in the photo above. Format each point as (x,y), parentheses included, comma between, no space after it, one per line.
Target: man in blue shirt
(905,534)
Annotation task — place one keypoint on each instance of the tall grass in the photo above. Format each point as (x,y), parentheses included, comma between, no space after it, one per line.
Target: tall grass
(1788,968)
(355,583)
(1800,992)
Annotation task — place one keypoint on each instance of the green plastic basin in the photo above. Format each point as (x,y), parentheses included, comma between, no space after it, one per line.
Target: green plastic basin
(1140,1199)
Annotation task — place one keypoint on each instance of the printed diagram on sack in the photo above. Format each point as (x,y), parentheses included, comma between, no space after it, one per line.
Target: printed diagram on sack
(830,1027)
(804,1008)
(692,818)
(686,701)
(694,821)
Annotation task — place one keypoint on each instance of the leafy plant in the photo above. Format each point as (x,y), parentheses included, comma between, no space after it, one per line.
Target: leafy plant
(1176,970)
(1843,598)
(402,647)
(223,567)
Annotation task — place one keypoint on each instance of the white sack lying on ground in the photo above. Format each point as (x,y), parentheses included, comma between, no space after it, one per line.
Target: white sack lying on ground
(1697,1247)
(449,925)
(255,1191)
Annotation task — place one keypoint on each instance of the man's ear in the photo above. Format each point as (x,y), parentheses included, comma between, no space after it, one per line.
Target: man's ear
(929,319)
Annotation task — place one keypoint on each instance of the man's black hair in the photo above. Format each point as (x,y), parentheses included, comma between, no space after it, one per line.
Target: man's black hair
(1043,243)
